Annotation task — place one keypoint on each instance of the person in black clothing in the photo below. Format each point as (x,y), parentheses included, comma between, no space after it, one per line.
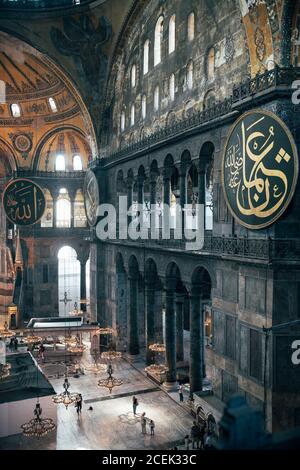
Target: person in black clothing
(16,343)
(194,435)
(78,404)
(202,435)
(134,404)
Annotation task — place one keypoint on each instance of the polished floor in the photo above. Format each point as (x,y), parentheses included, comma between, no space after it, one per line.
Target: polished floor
(111,425)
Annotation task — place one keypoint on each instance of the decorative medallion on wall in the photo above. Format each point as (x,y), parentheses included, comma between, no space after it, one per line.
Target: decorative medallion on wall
(259,169)
(22,143)
(91,197)
(24,202)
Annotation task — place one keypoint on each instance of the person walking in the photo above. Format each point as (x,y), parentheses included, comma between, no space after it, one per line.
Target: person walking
(135,404)
(152,426)
(180,391)
(202,436)
(187,442)
(78,404)
(194,434)
(143,423)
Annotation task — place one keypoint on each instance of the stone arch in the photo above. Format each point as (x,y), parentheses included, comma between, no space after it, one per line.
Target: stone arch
(45,138)
(7,156)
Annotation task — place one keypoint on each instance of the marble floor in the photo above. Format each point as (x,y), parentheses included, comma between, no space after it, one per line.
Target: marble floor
(111,425)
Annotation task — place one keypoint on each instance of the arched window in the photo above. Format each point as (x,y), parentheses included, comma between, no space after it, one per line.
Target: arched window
(63,212)
(211,64)
(60,163)
(172,34)
(122,123)
(158,35)
(132,115)
(133,76)
(190,75)
(144,106)
(68,280)
(156,98)
(15,110)
(172,87)
(52,105)
(146,57)
(77,163)
(191,26)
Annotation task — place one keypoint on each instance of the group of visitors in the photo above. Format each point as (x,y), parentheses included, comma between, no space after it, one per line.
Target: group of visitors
(14,343)
(144,419)
(200,437)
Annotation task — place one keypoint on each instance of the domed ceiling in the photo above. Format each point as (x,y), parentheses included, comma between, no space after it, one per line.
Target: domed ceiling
(34,101)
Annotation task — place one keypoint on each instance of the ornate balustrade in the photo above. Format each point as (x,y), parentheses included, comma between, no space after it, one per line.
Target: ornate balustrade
(260,249)
(49,174)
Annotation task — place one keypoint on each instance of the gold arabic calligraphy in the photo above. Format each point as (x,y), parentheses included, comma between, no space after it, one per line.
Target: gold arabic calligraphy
(24,204)
(259,190)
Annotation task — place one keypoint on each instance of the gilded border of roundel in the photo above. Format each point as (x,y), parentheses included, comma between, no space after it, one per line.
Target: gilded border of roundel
(296,166)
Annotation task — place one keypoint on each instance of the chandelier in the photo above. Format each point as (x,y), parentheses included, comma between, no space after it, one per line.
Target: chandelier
(4,370)
(95,367)
(5,332)
(156,369)
(111,355)
(157,347)
(104,331)
(38,426)
(110,382)
(76,348)
(66,398)
(32,339)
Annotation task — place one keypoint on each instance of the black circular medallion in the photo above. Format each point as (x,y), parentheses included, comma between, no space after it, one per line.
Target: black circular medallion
(259,169)
(24,202)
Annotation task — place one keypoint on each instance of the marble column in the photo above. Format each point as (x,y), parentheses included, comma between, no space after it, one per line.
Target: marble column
(153,200)
(83,285)
(196,348)
(140,196)
(179,329)
(182,196)
(72,201)
(170,335)
(54,196)
(133,316)
(129,199)
(150,322)
(201,190)
(166,201)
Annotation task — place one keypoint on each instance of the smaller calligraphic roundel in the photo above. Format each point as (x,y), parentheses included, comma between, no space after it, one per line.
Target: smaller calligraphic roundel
(259,169)
(91,197)
(24,202)
(22,143)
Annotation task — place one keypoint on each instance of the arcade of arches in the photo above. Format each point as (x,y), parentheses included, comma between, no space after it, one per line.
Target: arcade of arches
(144,98)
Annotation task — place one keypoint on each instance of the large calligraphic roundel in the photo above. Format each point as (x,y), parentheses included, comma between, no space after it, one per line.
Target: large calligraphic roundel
(259,169)
(91,197)
(24,202)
